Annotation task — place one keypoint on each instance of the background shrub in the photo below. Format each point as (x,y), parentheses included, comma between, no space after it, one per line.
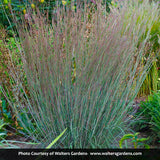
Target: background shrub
(150,113)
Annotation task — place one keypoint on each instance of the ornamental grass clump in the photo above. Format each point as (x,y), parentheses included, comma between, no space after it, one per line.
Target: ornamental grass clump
(83,72)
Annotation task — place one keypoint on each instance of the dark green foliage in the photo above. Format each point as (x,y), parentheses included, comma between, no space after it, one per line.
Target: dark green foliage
(150,112)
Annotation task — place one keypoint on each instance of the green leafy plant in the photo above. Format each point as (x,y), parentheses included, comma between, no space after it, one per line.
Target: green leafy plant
(106,54)
(150,113)
(137,142)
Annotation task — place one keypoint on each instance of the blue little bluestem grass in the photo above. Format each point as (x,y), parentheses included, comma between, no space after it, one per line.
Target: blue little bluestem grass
(107,56)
